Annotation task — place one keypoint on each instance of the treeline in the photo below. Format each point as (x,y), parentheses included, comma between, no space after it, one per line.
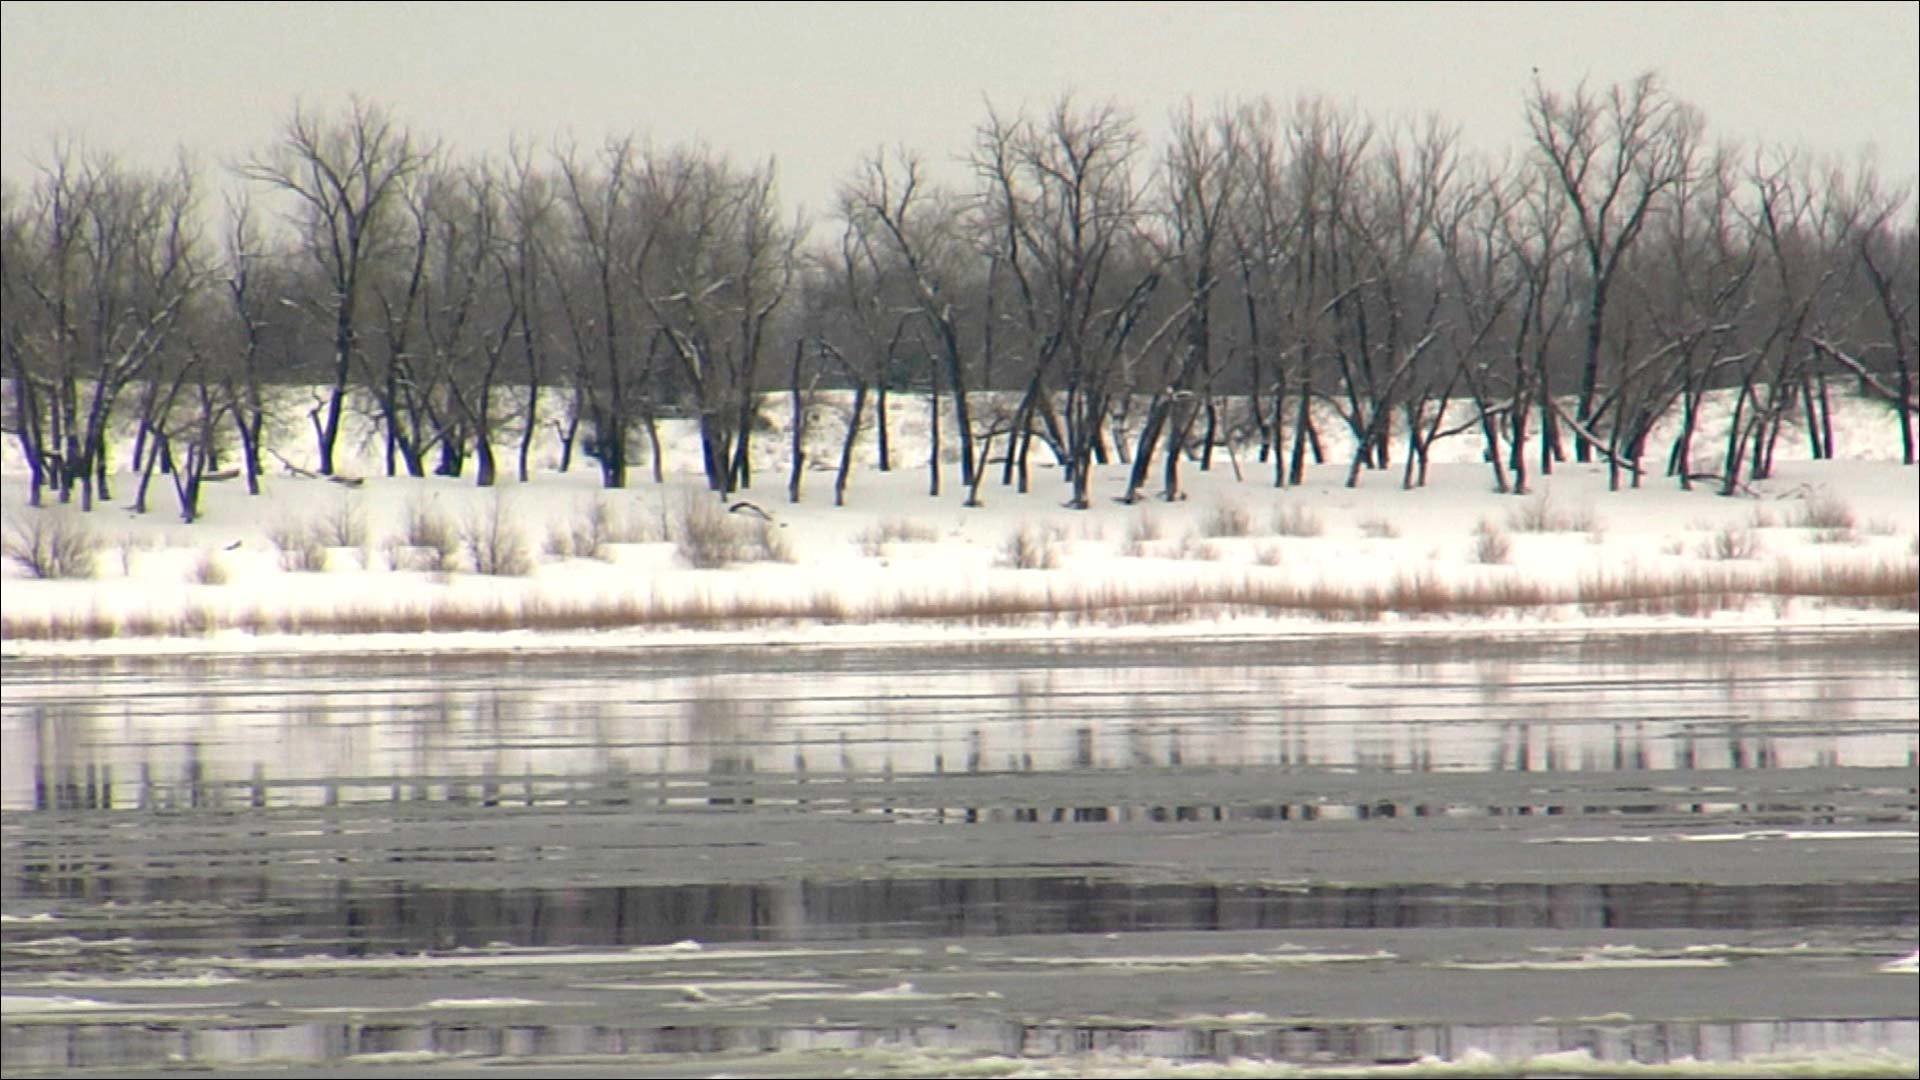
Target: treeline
(1108,300)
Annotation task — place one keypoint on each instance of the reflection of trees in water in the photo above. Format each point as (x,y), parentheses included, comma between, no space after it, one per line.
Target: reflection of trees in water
(388,918)
(728,734)
(299,733)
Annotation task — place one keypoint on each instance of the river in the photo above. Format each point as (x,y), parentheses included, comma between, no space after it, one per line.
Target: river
(1338,854)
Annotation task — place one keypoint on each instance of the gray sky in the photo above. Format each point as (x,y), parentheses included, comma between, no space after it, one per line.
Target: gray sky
(818,85)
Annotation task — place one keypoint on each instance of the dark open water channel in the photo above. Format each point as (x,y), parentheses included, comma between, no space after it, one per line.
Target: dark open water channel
(1116,858)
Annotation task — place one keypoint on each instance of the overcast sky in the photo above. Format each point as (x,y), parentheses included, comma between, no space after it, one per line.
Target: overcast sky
(817,85)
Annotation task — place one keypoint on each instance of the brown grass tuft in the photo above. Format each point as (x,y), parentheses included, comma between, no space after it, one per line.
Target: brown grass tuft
(1490,546)
(1227,519)
(494,544)
(1378,528)
(1297,521)
(1824,510)
(299,544)
(1730,543)
(1030,548)
(874,539)
(207,569)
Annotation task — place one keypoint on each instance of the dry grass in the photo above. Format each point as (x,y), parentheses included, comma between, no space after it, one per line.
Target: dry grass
(123,548)
(342,525)
(1378,528)
(428,541)
(1887,583)
(1227,519)
(207,569)
(1297,521)
(1141,531)
(1730,543)
(1823,510)
(766,543)
(494,544)
(49,544)
(1030,548)
(707,537)
(1491,547)
(1538,514)
(874,539)
(299,543)
(595,527)
(703,535)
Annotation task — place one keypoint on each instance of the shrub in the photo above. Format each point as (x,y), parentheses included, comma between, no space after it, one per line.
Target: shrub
(1823,510)
(207,569)
(874,539)
(495,546)
(299,546)
(123,548)
(1490,546)
(1227,519)
(1538,514)
(429,540)
(1533,515)
(766,543)
(1378,528)
(703,534)
(1729,543)
(1191,549)
(343,525)
(1581,519)
(51,544)
(1267,555)
(1297,521)
(1141,531)
(1030,548)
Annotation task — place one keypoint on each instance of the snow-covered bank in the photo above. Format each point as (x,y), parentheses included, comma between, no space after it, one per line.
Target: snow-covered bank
(390,563)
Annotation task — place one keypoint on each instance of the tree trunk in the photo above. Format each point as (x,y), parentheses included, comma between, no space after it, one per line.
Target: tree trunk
(846,444)
(797,450)
(933,442)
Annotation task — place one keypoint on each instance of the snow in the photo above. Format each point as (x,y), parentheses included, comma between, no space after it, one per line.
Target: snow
(897,566)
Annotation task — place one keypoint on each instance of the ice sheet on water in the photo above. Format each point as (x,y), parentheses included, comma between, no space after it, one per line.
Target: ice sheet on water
(658,954)
(1246,959)
(26,1005)
(70,981)
(1734,837)
(1591,963)
(904,1062)
(1906,965)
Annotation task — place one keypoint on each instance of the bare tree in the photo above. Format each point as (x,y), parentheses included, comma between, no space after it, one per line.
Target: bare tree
(892,209)
(1199,188)
(594,294)
(346,174)
(1883,244)
(1063,204)
(1612,157)
(531,211)
(100,265)
(714,264)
